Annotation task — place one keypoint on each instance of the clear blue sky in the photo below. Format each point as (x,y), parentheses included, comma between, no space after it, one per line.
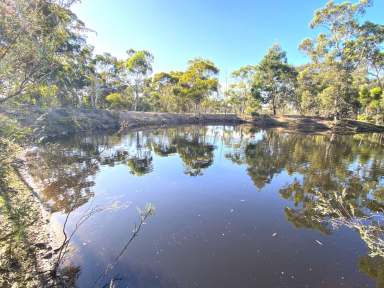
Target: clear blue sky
(230,33)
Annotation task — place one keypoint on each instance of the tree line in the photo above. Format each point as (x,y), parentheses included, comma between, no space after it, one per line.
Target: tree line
(45,60)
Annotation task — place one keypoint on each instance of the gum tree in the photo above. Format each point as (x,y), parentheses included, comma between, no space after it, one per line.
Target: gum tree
(275,80)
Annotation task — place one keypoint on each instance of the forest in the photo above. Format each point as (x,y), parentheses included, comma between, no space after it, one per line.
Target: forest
(45,60)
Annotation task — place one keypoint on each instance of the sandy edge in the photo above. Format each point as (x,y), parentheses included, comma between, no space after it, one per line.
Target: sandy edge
(49,230)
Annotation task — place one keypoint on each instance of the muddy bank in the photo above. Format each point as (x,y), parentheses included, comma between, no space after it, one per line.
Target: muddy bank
(133,120)
(304,124)
(54,123)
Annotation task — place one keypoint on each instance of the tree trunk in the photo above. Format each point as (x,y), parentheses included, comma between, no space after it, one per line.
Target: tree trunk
(273,106)
(136,99)
(335,116)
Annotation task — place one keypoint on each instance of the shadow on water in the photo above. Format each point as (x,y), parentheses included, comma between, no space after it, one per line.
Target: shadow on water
(336,182)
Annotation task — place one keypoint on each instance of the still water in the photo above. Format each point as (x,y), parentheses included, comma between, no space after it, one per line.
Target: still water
(235,207)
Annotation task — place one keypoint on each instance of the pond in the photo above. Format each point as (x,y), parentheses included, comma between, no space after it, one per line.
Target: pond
(234,207)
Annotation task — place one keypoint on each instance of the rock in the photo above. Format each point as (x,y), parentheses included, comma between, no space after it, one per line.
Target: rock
(48,256)
(41,245)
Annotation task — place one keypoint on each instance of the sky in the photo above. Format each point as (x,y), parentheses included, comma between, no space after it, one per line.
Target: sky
(231,33)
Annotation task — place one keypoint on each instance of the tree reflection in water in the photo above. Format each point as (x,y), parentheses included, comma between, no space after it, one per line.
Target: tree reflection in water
(338,179)
(339,183)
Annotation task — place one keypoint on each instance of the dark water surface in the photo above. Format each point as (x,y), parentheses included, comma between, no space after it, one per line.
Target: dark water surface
(235,207)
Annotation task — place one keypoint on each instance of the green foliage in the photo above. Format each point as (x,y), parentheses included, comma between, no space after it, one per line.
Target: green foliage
(120,100)
(275,80)
(345,55)
(197,82)
(11,130)
(137,67)
(41,43)
(114,99)
(239,96)
(45,60)
(185,91)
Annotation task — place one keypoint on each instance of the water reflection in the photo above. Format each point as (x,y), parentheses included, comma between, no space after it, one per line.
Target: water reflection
(338,181)
(330,182)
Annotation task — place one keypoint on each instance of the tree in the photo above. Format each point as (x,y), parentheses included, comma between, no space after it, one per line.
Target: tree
(37,37)
(372,101)
(275,80)
(310,84)
(341,52)
(239,95)
(367,51)
(160,92)
(137,68)
(182,91)
(198,82)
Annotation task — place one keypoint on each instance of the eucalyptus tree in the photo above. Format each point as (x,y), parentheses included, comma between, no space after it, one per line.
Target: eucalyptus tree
(239,95)
(310,84)
(367,51)
(340,52)
(275,80)
(184,91)
(160,92)
(105,80)
(136,68)
(198,82)
(37,37)
(73,77)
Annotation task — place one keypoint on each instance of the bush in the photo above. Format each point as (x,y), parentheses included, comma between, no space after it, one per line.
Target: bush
(11,130)
(365,118)
(120,100)
(114,99)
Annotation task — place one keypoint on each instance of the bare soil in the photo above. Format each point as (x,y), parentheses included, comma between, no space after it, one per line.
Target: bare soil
(54,123)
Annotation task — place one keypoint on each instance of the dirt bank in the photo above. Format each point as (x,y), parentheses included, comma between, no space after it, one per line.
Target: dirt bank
(50,124)
(304,124)
(132,120)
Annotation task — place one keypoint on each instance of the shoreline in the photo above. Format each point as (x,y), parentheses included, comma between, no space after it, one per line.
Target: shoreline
(48,233)
(55,123)
(35,188)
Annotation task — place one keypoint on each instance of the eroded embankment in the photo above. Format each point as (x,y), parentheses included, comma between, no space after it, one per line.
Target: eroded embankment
(303,124)
(133,120)
(54,123)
